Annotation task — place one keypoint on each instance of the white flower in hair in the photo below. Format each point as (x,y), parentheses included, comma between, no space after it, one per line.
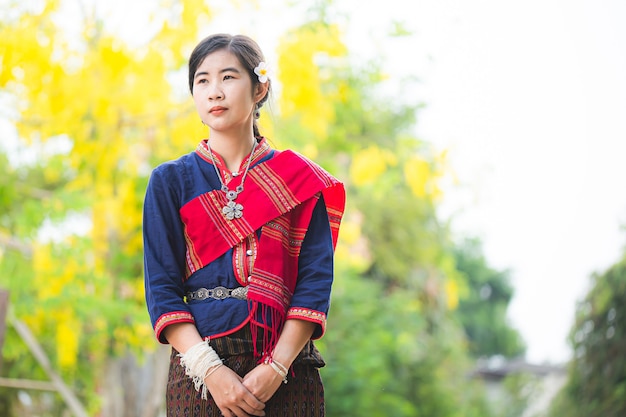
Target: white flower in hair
(262,71)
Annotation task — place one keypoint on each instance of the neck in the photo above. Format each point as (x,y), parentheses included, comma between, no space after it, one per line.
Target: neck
(233,150)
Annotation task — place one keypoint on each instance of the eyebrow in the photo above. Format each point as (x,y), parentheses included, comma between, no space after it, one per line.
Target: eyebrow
(227,69)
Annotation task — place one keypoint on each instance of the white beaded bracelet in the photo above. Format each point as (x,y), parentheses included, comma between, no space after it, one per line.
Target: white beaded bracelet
(199,362)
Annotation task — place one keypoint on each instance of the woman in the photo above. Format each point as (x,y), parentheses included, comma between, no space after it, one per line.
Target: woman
(239,241)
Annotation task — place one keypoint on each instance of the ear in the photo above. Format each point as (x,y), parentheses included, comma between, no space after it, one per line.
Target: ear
(260,91)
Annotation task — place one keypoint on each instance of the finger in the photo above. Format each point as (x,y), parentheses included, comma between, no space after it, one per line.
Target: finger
(240,412)
(248,396)
(248,411)
(225,412)
(253,406)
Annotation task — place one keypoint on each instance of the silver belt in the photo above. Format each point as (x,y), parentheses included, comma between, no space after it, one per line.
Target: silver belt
(218,293)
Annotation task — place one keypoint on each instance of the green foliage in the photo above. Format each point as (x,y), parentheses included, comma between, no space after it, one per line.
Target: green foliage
(363,117)
(596,385)
(389,356)
(518,391)
(20,213)
(482,311)
(406,233)
(393,346)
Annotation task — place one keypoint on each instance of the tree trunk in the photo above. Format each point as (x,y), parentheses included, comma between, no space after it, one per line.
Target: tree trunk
(134,389)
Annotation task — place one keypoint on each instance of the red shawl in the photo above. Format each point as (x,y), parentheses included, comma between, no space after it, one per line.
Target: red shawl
(279,196)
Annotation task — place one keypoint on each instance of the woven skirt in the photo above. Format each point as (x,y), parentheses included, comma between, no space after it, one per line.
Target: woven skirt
(302,396)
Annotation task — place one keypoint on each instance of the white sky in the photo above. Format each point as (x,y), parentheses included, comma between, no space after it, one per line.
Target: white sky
(530,98)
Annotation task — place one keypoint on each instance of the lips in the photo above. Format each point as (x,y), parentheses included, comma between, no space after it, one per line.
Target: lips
(217,110)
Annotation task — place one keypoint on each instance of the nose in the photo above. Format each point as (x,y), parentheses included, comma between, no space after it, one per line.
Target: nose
(215,92)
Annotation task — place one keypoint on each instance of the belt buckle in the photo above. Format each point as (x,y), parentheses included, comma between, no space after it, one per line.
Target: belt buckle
(219,293)
(202,294)
(240,293)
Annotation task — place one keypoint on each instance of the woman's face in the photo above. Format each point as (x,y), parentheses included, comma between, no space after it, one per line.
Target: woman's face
(224,94)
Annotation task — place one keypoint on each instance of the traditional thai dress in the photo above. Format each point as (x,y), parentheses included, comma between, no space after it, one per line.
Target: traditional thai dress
(238,280)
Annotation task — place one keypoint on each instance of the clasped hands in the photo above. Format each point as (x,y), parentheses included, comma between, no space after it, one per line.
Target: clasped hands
(242,397)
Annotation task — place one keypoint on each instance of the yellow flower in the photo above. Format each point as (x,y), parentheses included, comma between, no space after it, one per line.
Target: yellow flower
(369,164)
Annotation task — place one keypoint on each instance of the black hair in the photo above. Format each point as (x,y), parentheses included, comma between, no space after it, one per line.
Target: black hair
(243,47)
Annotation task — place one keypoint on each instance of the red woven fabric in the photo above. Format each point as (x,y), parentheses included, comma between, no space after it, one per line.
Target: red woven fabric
(278,198)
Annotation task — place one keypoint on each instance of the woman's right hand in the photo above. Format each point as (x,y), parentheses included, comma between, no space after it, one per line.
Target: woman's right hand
(231,396)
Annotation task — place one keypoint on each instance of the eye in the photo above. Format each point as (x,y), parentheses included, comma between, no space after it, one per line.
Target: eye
(228,77)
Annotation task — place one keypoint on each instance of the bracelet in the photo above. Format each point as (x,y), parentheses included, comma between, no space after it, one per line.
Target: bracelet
(278,367)
(210,371)
(199,362)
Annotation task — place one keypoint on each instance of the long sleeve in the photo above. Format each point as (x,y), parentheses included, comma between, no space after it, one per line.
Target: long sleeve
(164,249)
(311,299)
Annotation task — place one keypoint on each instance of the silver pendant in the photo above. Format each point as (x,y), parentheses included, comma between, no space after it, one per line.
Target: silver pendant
(232,210)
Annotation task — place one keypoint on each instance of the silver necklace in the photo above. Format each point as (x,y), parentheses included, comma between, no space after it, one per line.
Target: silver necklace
(232,210)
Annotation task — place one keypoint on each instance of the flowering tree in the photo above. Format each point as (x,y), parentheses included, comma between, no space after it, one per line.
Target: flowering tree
(92,119)
(393,346)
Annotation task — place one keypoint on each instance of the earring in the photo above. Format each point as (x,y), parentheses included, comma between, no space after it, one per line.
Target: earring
(257,110)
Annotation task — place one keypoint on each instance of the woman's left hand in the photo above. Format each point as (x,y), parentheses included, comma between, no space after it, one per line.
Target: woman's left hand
(263,381)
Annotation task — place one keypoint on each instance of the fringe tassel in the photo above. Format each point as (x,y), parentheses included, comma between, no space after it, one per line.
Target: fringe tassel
(272,331)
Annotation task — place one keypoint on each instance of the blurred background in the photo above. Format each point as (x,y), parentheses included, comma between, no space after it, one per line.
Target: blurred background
(480,268)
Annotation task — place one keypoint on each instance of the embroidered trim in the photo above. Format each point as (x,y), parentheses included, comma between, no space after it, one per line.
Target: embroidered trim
(212,202)
(274,187)
(171,318)
(242,262)
(202,150)
(281,229)
(272,287)
(254,247)
(278,229)
(308,315)
(320,172)
(193,262)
